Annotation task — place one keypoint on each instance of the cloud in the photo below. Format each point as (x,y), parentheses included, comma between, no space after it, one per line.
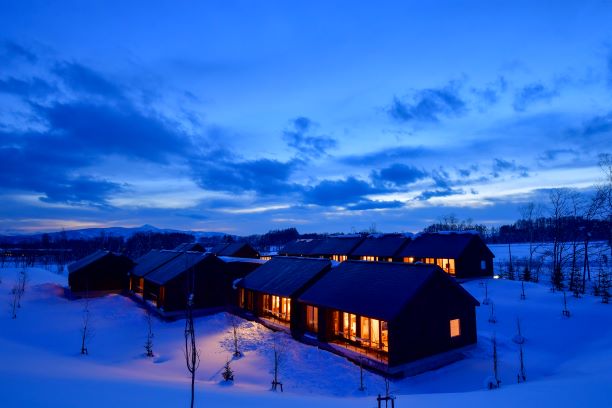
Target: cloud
(339,192)
(263,176)
(365,205)
(49,173)
(429,105)
(398,175)
(554,154)
(34,87)
(490,93)
(98,129)
(505,166)
(441,192)
(598,125)
(10,50)
(85,80)
(532,94)
(386,156)
(300,139)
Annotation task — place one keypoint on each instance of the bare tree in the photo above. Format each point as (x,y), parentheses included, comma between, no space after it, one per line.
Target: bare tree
(494,382)
(559,202)
(492,317)
(149,341)
(565,312)
(192,355)
(278,352)
(521,376)
(17,292)
(86,332)
(529,213)
(235,322)
(361,385)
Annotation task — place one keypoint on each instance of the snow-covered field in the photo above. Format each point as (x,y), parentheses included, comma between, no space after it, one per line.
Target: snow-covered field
(568,360)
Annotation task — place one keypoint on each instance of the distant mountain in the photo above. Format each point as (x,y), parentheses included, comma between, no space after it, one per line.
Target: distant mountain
(89,233)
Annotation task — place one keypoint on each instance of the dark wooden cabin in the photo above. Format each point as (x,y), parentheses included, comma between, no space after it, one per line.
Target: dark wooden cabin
(270,292)
(383,248)
(392,313)
(147,264)
(337,248)
(235,249)
(102,271)
(208,277)
(462,255)
(300,247)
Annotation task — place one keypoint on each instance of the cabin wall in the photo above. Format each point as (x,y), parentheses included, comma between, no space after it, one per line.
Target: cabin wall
(109,273)
(423,328)
(469,265)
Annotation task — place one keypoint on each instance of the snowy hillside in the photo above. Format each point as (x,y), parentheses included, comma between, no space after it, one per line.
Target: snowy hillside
(568,360)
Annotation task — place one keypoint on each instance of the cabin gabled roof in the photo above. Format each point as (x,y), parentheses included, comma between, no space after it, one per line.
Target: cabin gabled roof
(300,247)
(386,246)
(234,259)
(285,276)
(337,245)
(190,246)
(451,245)
(230,249)
(178,265)
(89,259)
(378,290)
(151,261)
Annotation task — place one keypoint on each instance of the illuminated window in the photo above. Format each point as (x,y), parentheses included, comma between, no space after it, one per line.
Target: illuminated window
(455,328)
(448,265)
(339,258)
(384,338)
(312,319)
(369,258)
(278,306)
(483,265)
(241,298)
(409,259)
(349,327)
(430,260)
(365,330)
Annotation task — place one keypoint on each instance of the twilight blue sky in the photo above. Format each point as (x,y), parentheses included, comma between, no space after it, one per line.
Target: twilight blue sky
(327,116)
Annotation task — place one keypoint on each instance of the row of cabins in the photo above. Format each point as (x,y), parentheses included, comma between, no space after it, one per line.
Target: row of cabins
(462,255)
(395,317)
(403,318)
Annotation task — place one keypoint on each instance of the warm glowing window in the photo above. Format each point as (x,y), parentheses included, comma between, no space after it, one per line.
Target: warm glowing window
(312,319)
(339,258)
(241,298)
(265,258)
(430,260)
(409,259)
(369,258)
(384,337)
(162,293)
(448,265)
(349,327)
(365,329)
(277,306)
(455,328)
(141,285)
